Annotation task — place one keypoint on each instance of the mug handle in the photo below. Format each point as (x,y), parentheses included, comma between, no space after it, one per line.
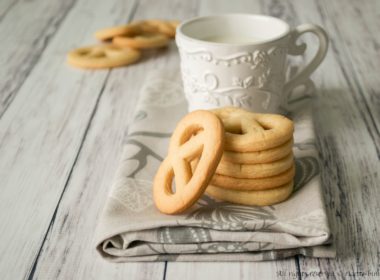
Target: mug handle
(303,76)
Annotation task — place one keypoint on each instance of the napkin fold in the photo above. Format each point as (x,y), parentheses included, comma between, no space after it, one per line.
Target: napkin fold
(132,229)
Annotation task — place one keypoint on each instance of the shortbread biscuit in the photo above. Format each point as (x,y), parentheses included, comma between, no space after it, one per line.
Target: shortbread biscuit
(243,184)
(264,156)
(252,198)
(122,30)
(253,171)
(142,41)
(103,56)
(198,136)
(251,132)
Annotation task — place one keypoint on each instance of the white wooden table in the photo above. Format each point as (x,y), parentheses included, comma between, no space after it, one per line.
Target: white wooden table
(62,131)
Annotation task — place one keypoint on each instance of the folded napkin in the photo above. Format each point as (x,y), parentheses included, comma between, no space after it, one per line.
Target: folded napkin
(132,229)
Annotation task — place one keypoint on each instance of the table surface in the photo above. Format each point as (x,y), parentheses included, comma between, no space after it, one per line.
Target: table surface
(62,132)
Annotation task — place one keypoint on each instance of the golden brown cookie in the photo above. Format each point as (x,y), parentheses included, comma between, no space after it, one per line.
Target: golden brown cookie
(164,27)
(142,41)
(243,184)
(199,135)
(253,171)
(264,156)
(122,30)
(252,198)
(103,56)
(251,132)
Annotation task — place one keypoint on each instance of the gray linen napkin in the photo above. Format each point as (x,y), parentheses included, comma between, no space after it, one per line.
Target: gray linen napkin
(132,229)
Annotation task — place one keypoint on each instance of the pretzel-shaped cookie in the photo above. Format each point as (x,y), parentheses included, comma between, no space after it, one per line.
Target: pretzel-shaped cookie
(104,56)
(250,132)
(121,30)
(165,27)
(142,39)
(199,134)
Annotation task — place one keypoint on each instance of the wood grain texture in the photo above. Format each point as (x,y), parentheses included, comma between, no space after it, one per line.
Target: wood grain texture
(68,251)
(228,270)
(359,45)
(62,131)
(348,151)
(210,7)
(6,6)
(26,29)
(252,270)
(41,133)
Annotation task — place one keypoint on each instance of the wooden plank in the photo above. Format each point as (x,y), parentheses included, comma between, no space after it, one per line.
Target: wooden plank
(255,270)
(358,41)
(5,7)
(348,151)
(41,133)
(231,270)
(210,7)
(26,28)
(68,251)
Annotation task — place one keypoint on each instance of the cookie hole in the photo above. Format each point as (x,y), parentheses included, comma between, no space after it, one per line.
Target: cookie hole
(265,127)
(194,165)
(148,35)
(172,187)
(234,130)
(97,54)
(83,52)
(195,133)
(191,132)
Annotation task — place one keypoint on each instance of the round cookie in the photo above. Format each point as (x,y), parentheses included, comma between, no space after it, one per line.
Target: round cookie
(264,156)
(251,132)
(199,135)
(252,198)
(103,56)
(142,41)
(253,171)
(241,184)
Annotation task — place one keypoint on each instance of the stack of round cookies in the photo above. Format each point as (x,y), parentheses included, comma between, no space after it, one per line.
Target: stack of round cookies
(257,166)
(246,157)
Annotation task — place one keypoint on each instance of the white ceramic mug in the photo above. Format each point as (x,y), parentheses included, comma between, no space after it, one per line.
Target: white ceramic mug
(240,60)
